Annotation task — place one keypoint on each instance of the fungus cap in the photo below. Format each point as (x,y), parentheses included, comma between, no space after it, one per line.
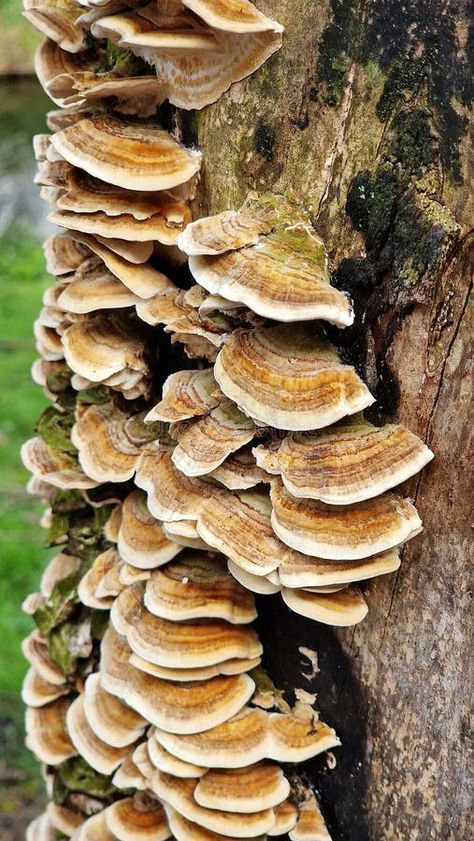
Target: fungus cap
(36,691)
(180,644)
(110,719)
(347,463)
(179,794)
(342,532)
(187,707)
(98,754)
(130,155)
(54,466)
(46,733)
(197,586)
(245,790)
(139,818)
(141,539)
(306,571)
(206,442)
(187,394)
(289,377)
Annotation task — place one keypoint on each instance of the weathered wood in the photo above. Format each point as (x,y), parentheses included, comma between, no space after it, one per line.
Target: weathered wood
(363,116)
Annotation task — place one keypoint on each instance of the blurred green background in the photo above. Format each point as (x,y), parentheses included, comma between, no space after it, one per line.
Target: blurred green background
(23,279)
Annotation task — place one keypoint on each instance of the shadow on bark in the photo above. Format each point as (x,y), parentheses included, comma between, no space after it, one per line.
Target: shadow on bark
(340,702)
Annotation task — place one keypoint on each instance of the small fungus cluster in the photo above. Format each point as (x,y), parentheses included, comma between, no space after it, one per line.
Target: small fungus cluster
(205,442)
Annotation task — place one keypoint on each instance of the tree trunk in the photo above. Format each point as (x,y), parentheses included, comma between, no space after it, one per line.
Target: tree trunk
(363,116)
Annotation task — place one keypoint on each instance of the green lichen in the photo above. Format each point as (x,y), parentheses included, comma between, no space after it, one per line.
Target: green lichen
(69,642)
(99,623)
(96,396)
(59,382)
(76,775)
(55,428)
(59,606)
(120,62)
(337,51)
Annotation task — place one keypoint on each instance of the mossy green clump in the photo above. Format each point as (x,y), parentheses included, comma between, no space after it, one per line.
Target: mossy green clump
(70,642)
(97,396)
(75,775)
(60,605)
(121,62)
(54,427)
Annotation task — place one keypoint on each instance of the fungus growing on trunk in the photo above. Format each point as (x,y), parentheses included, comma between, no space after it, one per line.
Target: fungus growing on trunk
(186,486)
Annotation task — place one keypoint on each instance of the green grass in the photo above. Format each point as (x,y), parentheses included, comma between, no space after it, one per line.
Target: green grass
(22,556)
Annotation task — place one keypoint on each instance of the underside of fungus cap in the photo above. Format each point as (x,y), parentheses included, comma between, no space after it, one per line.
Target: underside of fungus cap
(56,21)
(141,539)
(125,227)
(246,790)
(342,532)
(310,825)
(138,818)
(298,570)
(143,280)
(108,444)
(46,733)
(179,794)
(344,608)
(289,377)
(54,466)
(184,532)
(130,155)
(111,720)
(180,644)
(238,525)
(187,707)
(187,394)
(349,462)
(206,442)
(98,754)
(196,586)
(255,583)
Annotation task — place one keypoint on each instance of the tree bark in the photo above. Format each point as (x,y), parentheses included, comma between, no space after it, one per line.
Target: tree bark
(363,116)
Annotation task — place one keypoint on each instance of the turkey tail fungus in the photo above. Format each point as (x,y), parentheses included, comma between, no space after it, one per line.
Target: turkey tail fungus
(206,442)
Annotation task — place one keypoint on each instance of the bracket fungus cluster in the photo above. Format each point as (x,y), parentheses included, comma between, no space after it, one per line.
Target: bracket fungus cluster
(206,442)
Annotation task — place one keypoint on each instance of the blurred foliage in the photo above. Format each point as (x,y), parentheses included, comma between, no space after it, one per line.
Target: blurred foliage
(18,40)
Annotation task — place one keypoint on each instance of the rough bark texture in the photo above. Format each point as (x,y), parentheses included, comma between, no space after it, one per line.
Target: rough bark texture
(363,115)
